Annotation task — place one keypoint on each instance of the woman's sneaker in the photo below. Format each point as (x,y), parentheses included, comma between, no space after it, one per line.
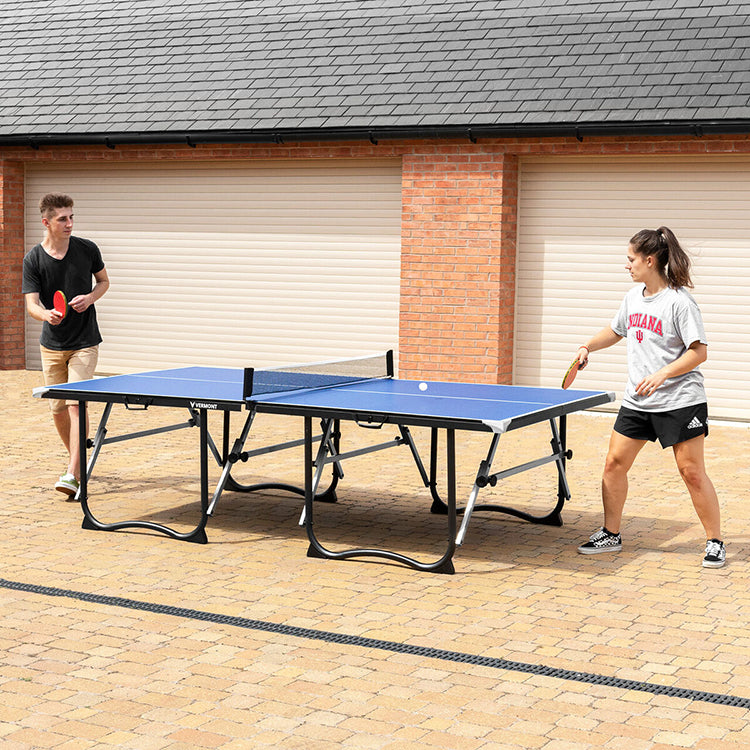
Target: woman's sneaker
(716,554)
(68,485)
(601,541)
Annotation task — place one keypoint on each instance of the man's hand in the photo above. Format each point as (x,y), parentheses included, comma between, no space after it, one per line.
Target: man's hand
(81,302)
(53,317)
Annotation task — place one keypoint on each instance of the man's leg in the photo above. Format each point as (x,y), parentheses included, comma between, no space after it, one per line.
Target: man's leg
(55,370)
(74,444)
(81,366)
(62,424)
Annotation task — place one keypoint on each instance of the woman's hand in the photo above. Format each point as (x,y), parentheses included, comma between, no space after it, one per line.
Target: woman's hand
(582,356)
(650,383)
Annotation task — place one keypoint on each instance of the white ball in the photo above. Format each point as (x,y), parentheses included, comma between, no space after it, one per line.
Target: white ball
(423,386)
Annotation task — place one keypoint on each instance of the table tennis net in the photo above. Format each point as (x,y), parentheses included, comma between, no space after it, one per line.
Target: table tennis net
(317,375)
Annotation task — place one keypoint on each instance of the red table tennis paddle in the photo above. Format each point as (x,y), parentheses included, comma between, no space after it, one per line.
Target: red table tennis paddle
(60,303)
(570,375)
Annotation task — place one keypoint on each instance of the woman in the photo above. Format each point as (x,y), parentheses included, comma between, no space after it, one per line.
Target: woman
(664,397)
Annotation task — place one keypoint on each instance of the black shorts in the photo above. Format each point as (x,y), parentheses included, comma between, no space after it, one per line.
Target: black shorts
(670,427)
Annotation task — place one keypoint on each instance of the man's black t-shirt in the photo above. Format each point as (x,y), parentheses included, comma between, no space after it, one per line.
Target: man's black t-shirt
(72,274)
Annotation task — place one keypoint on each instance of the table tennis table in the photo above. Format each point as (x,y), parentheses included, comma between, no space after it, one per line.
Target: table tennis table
(367,402)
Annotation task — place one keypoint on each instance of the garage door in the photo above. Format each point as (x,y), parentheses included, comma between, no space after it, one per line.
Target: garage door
(576,217)
(235,264)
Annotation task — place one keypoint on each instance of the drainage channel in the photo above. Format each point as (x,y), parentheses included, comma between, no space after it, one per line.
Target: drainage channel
(393,646)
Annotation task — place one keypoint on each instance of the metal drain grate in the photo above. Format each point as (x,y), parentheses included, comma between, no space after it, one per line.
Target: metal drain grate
(401,648)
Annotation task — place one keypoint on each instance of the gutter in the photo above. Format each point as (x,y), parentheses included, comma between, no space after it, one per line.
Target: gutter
(375,134)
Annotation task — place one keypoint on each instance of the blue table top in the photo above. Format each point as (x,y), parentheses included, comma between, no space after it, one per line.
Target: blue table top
(490,406)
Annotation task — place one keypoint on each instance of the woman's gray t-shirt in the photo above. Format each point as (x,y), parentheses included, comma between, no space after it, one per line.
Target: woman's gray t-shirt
(659,329)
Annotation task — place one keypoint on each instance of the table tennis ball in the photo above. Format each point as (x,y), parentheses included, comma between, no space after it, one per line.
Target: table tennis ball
(423,386)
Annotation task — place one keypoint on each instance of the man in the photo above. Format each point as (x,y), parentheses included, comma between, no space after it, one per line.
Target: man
(69,343)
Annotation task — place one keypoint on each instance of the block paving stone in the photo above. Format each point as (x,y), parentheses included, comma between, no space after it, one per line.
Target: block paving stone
(86,674)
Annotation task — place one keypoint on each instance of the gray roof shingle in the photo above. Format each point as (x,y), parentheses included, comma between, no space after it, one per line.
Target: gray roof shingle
(109,67)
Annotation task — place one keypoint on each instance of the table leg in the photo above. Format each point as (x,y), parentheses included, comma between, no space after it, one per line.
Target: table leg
(485,477)
(316,549)
(198,534)
(83,468)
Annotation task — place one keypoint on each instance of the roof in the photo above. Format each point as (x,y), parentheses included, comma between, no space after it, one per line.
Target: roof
(147,68)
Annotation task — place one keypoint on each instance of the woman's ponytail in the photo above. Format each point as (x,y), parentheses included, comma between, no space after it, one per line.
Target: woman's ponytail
(671,259)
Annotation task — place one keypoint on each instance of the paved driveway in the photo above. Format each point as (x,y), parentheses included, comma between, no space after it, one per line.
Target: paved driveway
(133,640)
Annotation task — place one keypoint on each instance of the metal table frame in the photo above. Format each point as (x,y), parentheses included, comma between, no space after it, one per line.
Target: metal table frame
(324,449)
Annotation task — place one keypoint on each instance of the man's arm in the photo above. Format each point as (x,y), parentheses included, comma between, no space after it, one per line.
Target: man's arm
(82,302)
(37,311)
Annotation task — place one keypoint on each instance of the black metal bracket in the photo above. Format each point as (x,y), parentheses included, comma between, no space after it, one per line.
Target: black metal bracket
(312,472)
(486,478)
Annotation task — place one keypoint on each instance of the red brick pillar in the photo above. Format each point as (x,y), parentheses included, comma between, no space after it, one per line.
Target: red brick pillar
(458,257)
(12,309)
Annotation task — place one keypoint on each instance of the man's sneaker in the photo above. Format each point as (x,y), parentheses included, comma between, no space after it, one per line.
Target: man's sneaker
(716,554)
(68,485)
(601,541)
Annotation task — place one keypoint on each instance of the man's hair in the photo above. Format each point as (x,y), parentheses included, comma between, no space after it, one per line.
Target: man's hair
(53,202)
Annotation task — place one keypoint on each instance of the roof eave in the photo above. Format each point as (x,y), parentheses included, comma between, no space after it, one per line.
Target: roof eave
(376,133)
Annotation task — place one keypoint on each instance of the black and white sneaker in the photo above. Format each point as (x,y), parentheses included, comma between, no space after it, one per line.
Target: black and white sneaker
(601,541)
(716,554)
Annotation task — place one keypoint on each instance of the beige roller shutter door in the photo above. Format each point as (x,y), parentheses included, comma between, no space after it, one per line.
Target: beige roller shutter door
(576,217)
(235,264)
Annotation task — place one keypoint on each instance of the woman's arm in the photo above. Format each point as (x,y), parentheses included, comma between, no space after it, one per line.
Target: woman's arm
(601,340)
(696,354)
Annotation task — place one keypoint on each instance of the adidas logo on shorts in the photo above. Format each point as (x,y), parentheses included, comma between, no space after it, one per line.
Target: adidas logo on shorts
(695,424)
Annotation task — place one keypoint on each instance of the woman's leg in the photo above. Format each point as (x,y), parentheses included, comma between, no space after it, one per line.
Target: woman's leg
(620,457)
(690,462)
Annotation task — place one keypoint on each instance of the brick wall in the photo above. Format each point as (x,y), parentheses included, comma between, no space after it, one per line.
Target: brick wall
(11,256)
(459,228)
(458,248)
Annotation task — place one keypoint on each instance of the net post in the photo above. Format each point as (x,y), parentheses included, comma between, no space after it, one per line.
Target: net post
(247,383)
(389,363)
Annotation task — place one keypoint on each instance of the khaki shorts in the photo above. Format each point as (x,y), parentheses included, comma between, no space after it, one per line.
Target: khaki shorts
(67,366)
